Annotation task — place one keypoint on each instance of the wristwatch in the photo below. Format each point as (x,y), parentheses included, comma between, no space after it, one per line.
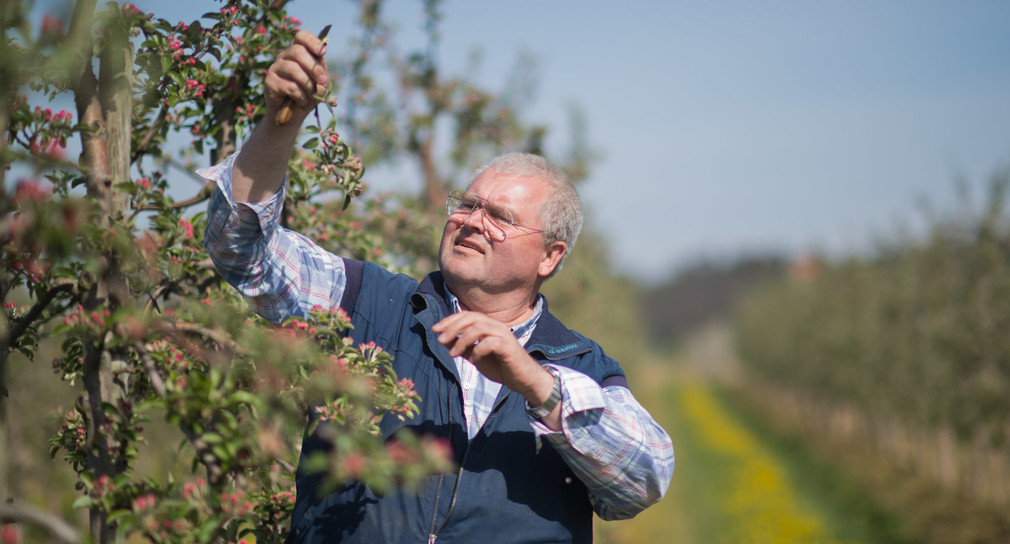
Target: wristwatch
(547,407)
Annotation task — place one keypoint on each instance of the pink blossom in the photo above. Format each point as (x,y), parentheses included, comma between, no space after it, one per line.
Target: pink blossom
(144,502)
(55,150)
(187,227)
(10,534)
(30,189)
(353,463)
(52,24)
(188,490)
(103,485)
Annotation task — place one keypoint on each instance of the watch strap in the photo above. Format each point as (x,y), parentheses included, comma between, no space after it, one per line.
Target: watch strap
(547,407)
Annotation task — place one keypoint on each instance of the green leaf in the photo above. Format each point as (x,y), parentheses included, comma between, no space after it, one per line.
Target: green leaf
(118,515)
(311,143)
(64,272)
(245,397)
(81,502)
(128,187)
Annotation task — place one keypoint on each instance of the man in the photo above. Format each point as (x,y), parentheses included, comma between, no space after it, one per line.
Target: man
(540,420)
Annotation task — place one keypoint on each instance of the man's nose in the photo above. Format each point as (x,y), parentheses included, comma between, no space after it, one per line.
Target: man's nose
(475,219)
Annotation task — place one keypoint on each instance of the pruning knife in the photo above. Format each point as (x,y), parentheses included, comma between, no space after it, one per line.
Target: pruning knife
(287,107)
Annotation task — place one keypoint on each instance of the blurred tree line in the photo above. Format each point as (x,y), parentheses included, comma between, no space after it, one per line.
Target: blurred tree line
(701,293)
(906,350)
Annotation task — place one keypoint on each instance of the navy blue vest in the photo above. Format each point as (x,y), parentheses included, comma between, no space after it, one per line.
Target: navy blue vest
(505,490)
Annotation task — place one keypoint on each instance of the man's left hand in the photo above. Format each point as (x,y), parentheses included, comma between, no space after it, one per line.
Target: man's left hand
(496,353)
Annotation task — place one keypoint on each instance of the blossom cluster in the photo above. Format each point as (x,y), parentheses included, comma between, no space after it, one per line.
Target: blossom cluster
(72,437)
(235,503)
(14,311)
(93,321)
(41,130)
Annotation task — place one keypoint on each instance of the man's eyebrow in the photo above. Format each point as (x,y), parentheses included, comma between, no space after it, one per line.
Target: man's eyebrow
(498,206)
(490,202)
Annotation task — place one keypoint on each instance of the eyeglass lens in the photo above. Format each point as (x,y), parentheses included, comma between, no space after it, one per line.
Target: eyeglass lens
(460,202)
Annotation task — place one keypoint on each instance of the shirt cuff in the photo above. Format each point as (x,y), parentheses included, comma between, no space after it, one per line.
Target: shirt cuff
(267,212)
(579,393)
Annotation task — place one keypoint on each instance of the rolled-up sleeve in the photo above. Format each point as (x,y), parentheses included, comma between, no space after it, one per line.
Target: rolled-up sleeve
(282,273)
(612,444)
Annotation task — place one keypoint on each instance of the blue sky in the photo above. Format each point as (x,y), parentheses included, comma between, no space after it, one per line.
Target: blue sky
(728,128)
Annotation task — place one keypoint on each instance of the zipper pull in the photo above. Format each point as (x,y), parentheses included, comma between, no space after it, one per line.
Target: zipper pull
(431,538)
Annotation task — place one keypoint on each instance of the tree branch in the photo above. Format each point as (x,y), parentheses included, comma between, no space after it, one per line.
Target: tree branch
(204,452)
(55,526)
(150,370)
(21,325)
(151,132)
(204,194)
(215,336)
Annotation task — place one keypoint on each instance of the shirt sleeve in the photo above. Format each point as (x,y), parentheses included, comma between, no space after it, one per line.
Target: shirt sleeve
(282,273)
(612,444)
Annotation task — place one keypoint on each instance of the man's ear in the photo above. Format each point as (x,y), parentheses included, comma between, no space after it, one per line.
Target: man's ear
(552,256)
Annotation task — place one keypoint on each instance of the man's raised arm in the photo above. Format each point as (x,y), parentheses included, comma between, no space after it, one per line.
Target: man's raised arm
(298,73)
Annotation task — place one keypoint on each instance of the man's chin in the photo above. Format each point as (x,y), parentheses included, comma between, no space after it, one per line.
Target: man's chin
(458,273)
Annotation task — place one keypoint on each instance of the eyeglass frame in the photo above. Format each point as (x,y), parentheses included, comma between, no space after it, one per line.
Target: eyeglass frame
(500,217)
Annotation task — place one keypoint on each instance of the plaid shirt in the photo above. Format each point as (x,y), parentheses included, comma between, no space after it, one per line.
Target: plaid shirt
(608,439)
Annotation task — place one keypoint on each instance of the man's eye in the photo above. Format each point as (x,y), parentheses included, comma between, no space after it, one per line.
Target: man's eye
(467,204)
(500,215)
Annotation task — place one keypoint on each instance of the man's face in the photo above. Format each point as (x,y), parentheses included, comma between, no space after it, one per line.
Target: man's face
(472,252)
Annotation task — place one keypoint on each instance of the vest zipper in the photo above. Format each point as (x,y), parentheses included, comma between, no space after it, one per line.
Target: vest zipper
(433,533)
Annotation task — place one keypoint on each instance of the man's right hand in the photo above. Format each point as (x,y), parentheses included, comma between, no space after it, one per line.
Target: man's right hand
(298,73)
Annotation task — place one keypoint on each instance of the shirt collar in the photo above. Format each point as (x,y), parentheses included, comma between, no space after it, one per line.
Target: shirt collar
(521,331)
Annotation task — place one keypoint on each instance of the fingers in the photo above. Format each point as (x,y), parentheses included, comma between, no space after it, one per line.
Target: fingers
(493,349)
(471,334)
(310,42)
(461,331)
(298,73)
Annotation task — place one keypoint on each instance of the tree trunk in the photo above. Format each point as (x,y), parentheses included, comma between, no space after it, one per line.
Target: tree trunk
(434,189)
(104,104)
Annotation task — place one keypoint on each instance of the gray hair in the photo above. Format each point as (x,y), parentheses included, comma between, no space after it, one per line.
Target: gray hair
(560,215)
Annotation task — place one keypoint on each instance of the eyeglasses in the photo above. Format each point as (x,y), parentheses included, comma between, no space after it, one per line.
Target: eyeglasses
(464,203)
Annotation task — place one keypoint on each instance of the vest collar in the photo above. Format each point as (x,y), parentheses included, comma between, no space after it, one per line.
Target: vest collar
(551,339)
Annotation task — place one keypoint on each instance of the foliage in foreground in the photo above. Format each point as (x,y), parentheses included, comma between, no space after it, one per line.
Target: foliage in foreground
(96,255)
